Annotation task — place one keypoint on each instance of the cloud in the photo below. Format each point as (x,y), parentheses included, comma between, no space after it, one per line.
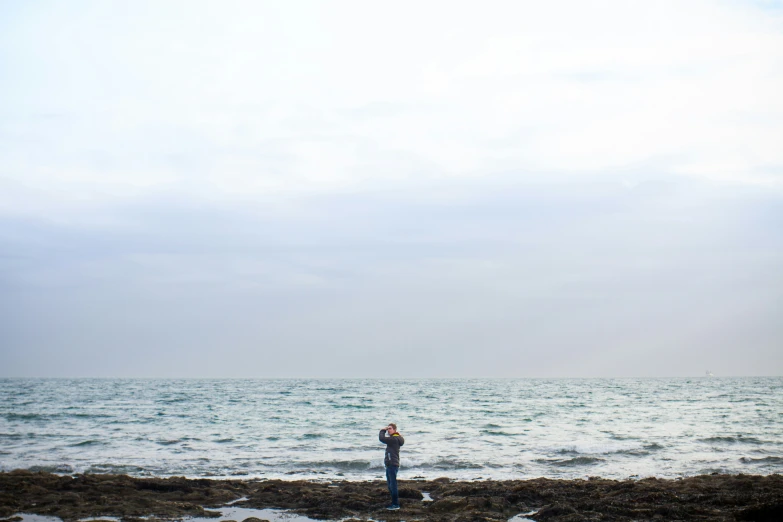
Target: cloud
(262,98)
(573,188)
(586,280)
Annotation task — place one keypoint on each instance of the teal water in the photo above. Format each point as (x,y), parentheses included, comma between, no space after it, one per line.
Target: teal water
(467,429)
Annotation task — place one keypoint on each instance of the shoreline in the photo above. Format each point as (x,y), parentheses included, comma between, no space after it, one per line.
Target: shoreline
(703,497)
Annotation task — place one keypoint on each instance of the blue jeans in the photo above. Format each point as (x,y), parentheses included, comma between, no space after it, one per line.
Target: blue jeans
(391,481)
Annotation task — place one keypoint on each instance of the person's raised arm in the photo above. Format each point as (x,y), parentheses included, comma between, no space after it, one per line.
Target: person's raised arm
(382,436)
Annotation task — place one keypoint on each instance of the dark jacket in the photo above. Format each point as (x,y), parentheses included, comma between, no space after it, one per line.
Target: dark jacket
(393,443)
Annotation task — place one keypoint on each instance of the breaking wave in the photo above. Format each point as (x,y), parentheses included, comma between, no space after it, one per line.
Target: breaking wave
(576,461)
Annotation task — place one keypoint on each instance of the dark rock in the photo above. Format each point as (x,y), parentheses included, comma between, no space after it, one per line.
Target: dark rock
(410,493)
(449,504)
(763,513)
(555,510)
(703,498)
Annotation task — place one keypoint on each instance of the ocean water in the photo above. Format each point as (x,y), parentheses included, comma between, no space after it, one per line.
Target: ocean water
(326,429)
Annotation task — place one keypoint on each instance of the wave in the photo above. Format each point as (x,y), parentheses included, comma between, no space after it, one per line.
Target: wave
(83,415)
(53,468)
(614,436)
(341,465)
(445,464)
(169,442)
(646,449)
(90,442)
(499,433)
(604,449)
(172,400)
(576,461)
(115,469)
(762,460)
(64,414)
(27,416)
(732,440)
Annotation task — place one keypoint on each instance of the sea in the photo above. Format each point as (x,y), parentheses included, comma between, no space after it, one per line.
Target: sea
(327,429)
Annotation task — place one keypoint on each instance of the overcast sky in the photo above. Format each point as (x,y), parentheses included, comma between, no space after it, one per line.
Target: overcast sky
(406,189)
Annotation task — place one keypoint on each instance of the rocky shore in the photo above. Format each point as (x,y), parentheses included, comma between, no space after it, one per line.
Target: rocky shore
(709,497)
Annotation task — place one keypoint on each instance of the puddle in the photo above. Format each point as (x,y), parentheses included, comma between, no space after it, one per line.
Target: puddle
(239,514)
(522,517)
(427,497)
(36,518)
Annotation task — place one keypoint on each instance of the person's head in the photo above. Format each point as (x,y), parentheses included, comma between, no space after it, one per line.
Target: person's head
(392,428)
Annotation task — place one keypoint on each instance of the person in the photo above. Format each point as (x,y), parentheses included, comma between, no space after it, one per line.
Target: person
(393,440)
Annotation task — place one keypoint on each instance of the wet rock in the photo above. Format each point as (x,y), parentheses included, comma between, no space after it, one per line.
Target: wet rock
(707,498)
(255,519)
(410,493)
(449,504)
(555,511)
(763,513)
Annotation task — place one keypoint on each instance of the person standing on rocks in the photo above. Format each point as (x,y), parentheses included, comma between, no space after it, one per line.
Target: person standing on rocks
(393,440)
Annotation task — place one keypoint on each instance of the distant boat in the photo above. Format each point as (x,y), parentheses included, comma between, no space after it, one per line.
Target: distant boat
(709,374)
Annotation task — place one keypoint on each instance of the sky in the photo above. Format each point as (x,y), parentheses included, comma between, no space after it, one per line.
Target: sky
(416,189)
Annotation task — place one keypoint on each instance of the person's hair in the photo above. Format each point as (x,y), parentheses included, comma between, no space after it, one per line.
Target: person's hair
(393,426)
